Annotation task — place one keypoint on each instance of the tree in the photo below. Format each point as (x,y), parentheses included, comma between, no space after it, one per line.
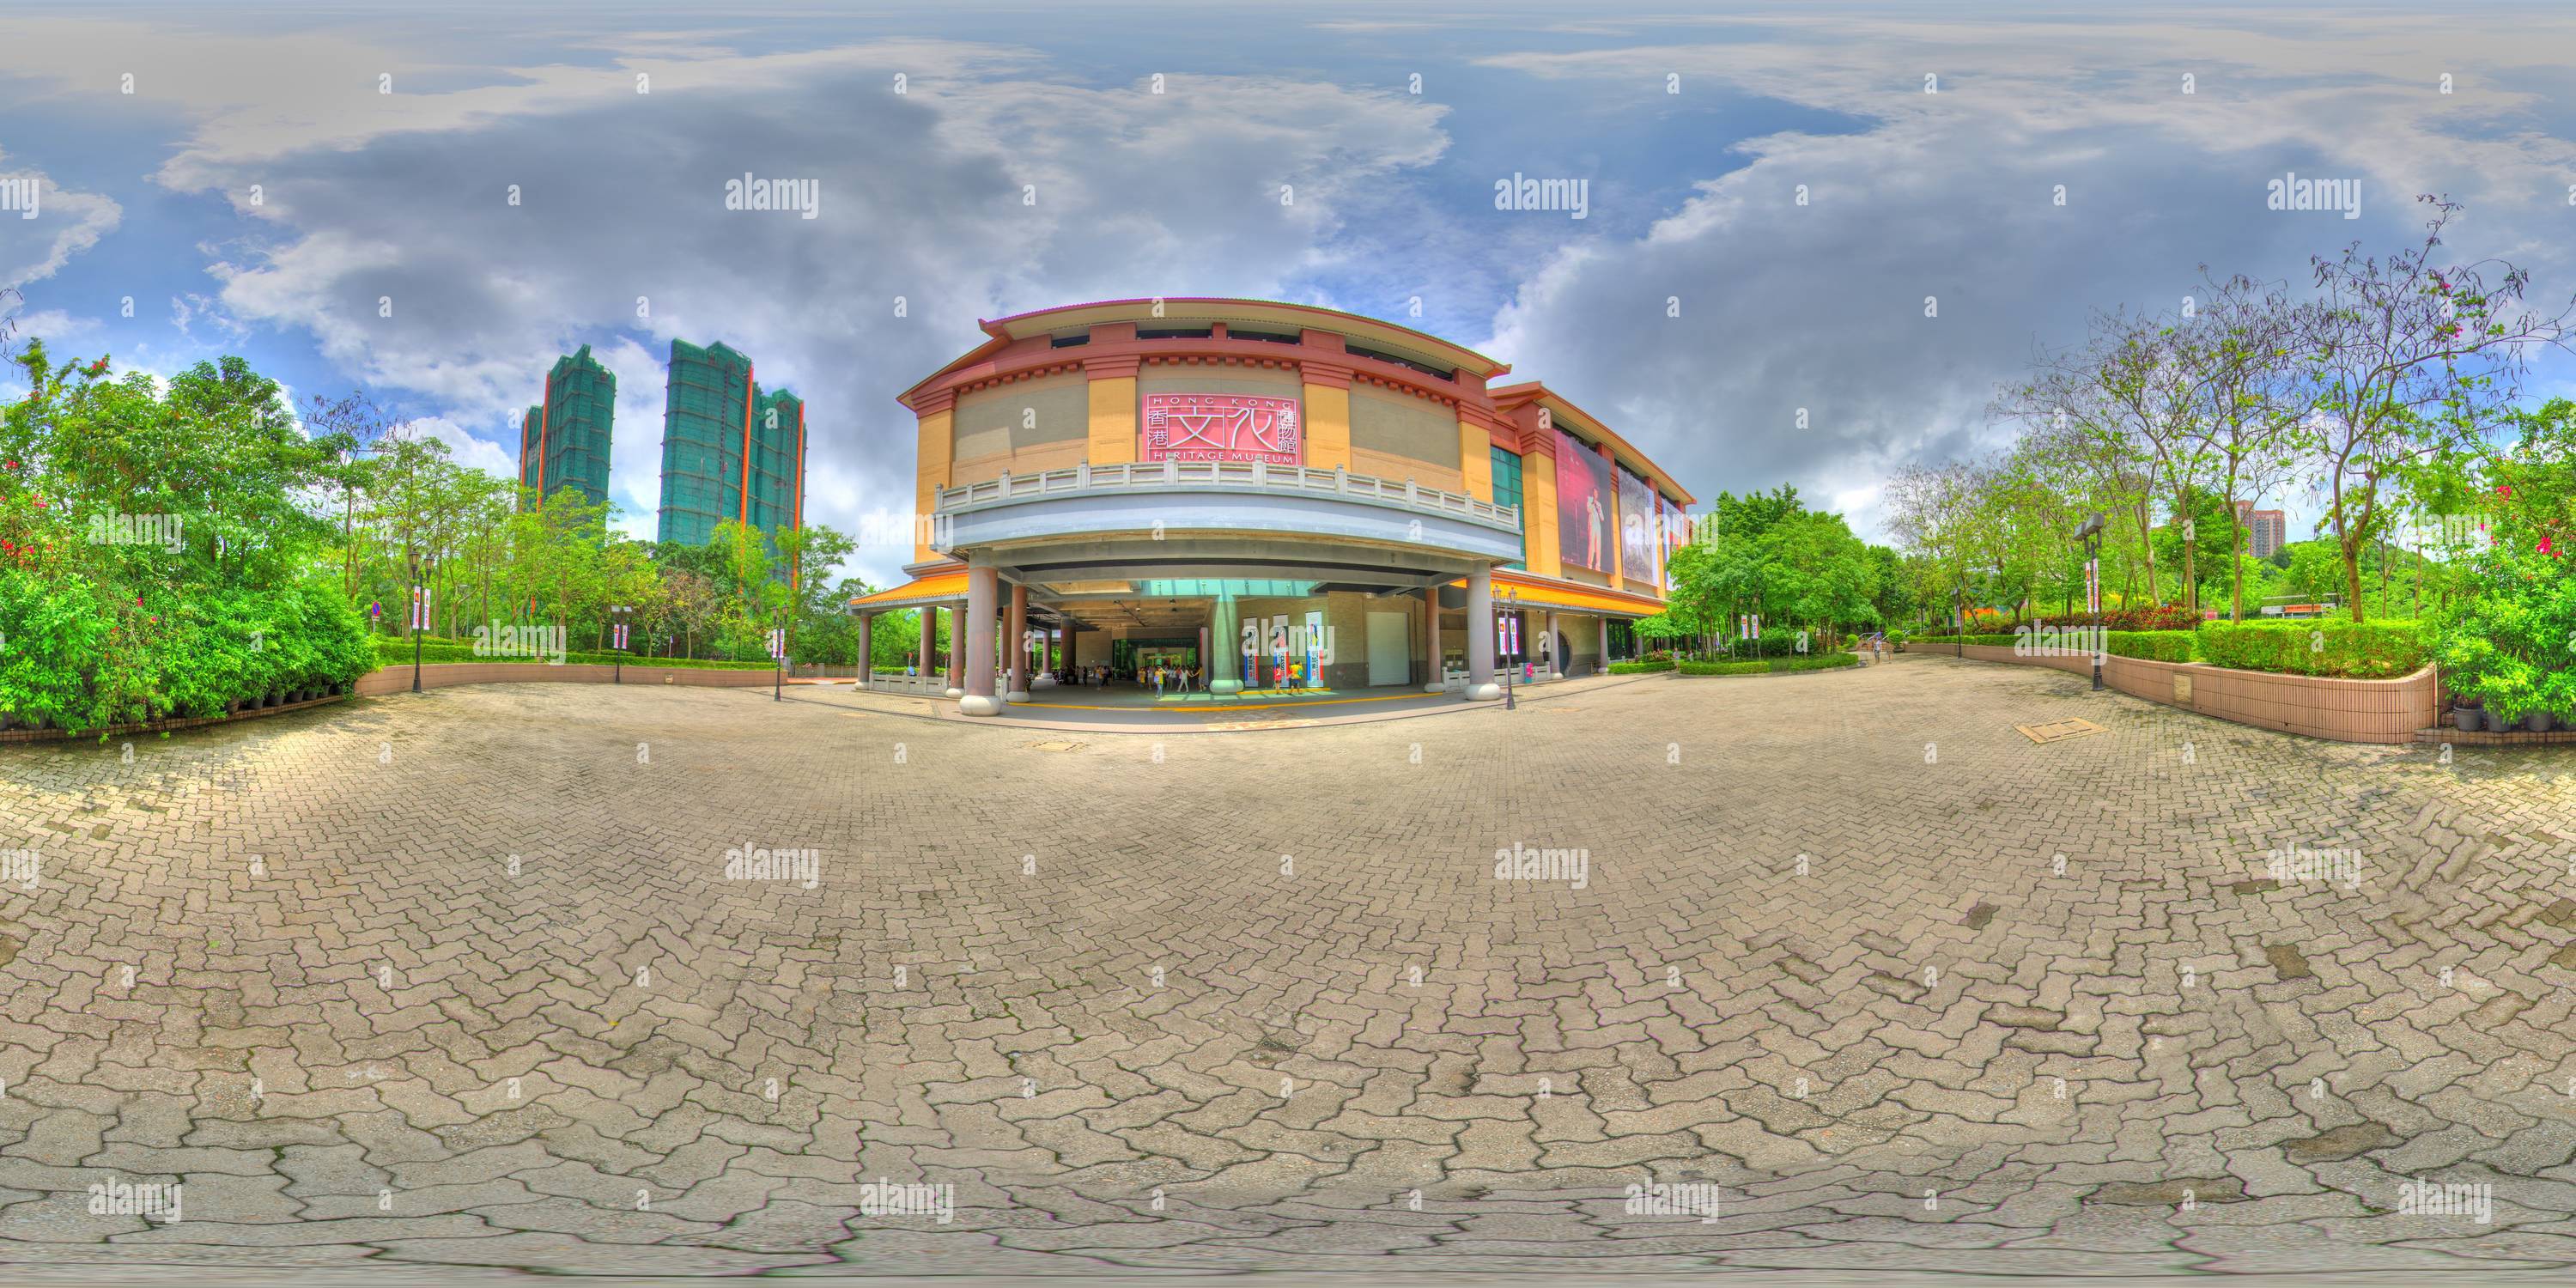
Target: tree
(2242,348)
(1931,509)
(2408,360)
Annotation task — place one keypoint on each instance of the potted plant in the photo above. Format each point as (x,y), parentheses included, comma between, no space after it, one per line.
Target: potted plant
(2467,713)
(2510,693)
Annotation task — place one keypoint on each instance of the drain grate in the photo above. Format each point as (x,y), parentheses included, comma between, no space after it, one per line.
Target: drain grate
(1054,746)
(2058,731)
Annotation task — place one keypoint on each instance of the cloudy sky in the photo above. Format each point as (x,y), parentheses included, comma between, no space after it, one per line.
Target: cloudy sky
(245,183)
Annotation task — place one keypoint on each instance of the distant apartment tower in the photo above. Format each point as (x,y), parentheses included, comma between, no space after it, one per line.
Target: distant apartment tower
(2268,530)
(729,450)
(563,441)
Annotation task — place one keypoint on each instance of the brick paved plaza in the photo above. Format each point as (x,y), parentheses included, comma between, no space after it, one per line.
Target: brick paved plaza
(1258,1000)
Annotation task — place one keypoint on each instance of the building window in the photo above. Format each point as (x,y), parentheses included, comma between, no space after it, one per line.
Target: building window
(1507,489)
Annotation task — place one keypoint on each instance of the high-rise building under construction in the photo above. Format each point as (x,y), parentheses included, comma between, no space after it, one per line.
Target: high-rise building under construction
(729,450)
(563,441)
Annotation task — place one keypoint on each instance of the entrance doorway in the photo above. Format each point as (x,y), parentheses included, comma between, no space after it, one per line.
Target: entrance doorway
(1139,657)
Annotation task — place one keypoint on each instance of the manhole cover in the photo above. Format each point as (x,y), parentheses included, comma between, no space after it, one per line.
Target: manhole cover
(1053,746)
(2058,731)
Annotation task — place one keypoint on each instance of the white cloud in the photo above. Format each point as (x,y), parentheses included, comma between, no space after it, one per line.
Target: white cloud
(39,236)
(401,207)
(1820,306)
(463,447)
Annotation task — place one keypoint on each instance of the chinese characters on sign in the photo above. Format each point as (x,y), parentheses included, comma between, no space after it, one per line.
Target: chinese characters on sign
(1220,427)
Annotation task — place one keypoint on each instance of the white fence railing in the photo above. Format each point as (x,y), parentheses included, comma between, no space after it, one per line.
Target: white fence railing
(1251,475)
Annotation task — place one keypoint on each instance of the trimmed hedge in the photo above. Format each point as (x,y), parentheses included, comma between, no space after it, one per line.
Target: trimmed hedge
(1640,668)
(2152,646)
(2321,646)
(397,652)
(1810,662)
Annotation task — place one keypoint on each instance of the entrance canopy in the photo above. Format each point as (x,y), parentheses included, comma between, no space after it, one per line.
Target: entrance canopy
(936,589)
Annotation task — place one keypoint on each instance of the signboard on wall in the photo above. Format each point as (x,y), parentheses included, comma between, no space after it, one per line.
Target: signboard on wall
(1586,513)
(1639,546)
(1220,427)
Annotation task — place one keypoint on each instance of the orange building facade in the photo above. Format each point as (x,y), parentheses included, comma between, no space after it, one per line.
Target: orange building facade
(1267,494)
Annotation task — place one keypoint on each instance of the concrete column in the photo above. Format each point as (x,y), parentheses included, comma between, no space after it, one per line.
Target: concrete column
(957,646)
(1018,651)
(929,642)
(982,589)
(1605,646)
(1555,649)
(1225,672)
(1480,636)
(1431,641)
(867,636)
(1207,666)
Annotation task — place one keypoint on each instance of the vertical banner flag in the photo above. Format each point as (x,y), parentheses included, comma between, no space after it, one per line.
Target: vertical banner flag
(1637,536)
(778,643)
(420,608)
(2093,586)
(1586,507)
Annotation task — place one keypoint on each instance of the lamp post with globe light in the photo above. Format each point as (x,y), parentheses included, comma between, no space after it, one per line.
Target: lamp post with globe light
(2091,535)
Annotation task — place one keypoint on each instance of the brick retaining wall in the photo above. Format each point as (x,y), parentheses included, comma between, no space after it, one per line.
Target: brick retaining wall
(439,675)
(2317,706)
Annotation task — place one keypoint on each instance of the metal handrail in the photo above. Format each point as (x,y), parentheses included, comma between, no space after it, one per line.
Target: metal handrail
(1253,475)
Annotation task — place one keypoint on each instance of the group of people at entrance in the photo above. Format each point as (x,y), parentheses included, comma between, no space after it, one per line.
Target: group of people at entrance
(1288,671)
(1164,677)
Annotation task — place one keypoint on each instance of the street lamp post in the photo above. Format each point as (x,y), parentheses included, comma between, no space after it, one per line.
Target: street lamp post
(1511,595)
(2091,535)
(419,619)
(617,664)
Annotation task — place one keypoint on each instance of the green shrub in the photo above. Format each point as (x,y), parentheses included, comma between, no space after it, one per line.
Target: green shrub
(2324,646)
(2153,646)
(2373,650)
(1641,668)
(397,652)
(1761,666)
(2511,642)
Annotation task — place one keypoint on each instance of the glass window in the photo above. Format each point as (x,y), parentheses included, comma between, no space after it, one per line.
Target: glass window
(1507,488)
